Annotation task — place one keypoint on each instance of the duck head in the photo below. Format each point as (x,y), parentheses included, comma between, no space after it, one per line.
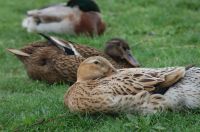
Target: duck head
(84,5)
(119,49)
(94,68)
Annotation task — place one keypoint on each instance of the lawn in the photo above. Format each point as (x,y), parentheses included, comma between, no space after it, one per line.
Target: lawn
(160,32)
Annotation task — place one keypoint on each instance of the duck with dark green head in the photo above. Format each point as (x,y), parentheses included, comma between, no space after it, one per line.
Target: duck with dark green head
(74,18)
(84,5)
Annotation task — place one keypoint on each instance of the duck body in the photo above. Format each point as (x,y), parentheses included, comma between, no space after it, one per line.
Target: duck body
(58,60)
(51,66)
(69,19)
(116,91)
(185,93)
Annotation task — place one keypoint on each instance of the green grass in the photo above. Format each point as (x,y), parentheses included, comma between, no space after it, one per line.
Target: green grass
(161,33)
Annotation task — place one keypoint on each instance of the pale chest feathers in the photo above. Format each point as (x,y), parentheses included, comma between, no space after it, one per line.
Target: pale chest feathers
(90,23)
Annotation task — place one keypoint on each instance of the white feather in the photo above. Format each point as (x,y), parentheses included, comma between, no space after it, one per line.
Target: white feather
(74,49)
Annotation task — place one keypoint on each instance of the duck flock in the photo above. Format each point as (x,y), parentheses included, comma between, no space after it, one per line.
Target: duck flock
(109,81)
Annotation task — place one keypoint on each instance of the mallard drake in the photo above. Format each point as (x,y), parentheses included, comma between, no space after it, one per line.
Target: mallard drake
(75,17)
(185,93)
(102,88)
(57,60)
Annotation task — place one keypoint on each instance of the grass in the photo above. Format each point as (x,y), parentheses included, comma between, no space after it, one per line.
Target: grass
(161,33)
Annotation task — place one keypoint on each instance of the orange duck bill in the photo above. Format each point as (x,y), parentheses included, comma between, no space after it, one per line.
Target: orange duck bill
(130,59)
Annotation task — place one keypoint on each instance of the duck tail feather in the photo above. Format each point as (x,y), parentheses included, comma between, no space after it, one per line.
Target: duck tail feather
(187,67)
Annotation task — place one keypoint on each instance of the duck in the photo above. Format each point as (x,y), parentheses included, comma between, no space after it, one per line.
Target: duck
(102,88)
(186,93)
(74,18)
(56,60)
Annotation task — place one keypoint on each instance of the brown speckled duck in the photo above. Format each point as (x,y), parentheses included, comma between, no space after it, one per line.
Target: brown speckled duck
(75,17)
(57,60)
(102,88)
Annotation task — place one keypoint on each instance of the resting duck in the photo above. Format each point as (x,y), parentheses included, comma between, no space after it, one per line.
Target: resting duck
(185,93)
(102,88)
(75,17)
(57,61)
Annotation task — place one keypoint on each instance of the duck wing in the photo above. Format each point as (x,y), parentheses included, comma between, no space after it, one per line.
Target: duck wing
(133,83)
(169,75)
(66,46)
(57,10)
(51,14)
(71,48)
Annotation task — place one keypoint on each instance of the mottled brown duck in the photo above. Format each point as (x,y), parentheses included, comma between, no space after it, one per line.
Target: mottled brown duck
(102,88)
(57,60)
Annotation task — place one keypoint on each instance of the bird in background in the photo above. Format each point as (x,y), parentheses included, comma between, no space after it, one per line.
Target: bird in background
(74,18)
(56,60)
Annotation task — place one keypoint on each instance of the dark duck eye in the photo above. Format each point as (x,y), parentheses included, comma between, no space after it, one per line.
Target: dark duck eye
(96,62)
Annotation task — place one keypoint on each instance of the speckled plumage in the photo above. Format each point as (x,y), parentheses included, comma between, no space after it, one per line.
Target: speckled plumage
(49,63)
(185,93)
(52,66)
(102,88)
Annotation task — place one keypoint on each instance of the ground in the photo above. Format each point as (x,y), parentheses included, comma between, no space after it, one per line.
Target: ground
(160,32)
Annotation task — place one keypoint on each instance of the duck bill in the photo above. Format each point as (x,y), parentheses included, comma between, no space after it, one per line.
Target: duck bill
(130,59)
